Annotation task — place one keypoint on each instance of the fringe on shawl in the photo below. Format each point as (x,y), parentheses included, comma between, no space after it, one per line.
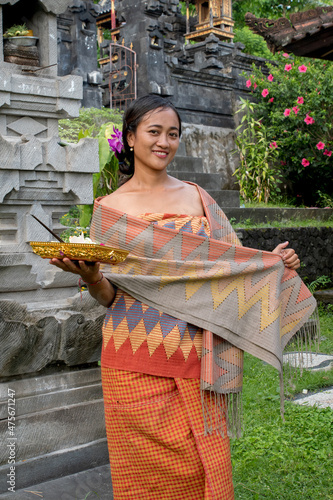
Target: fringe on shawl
(298,353)
(225,406)
(229,405)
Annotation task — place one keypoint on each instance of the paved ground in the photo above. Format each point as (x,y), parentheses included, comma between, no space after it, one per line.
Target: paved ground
(313,362)
(95,484)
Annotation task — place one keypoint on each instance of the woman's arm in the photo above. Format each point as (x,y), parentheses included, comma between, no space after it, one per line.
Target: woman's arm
(288,255)
(99,287)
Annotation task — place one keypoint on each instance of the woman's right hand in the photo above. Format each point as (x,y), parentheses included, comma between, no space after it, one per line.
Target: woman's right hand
(89,274)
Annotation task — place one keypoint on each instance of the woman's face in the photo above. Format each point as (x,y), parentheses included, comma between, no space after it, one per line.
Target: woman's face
(156,140)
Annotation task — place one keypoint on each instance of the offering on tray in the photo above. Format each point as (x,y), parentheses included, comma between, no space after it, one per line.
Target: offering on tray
(89,252)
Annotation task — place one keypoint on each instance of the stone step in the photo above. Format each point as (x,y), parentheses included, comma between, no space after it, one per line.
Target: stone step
(225,198)
(181,151)
(53,427)
(324,296)
(94,483)
(185,164)
(206,181)
(278,214)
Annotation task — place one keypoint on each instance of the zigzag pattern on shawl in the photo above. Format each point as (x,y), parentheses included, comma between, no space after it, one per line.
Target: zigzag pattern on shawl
(243,295)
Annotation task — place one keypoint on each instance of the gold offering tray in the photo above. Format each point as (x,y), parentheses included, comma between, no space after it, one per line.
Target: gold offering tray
(89,252)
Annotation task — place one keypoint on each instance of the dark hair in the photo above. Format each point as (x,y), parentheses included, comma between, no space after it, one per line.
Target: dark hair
(132,117)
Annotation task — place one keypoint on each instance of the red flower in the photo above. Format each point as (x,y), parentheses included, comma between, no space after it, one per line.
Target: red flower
(271,99)
(270,78)
(288,67)
(273,145)
(265,93)
(302,69)
(320,145)
(287,112)
(309,120)
(300,100)
(248,83)
(327,152)
(305,162)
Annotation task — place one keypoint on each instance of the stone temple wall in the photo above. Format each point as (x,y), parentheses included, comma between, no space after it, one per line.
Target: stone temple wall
(314,246)
(44,334)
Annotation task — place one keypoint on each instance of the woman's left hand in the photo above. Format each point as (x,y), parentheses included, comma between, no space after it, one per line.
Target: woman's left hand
(288,255)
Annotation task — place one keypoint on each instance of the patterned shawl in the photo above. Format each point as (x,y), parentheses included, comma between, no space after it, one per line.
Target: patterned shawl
(243,299)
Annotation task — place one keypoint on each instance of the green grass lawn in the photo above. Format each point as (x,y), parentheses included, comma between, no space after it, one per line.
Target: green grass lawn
(290,459)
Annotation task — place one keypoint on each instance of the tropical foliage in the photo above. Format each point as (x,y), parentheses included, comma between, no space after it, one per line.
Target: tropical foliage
(97,123)
(257,178)
(294,103)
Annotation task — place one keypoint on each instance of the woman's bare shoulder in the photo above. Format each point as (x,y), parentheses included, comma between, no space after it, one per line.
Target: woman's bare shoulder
(116,200)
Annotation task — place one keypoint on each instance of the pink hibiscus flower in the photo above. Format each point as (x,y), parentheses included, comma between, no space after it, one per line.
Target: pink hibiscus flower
(320,145)
(305,162)
(255,86)
(270,78)
(300,100)
(288,67)
(248,83)
(265,93)
(271,99)
(295,109)
(287,112)
(309,120)
(273,145)
(327,152)
(302,69)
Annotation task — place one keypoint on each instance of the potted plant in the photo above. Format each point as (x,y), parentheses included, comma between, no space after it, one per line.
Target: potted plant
(19,34)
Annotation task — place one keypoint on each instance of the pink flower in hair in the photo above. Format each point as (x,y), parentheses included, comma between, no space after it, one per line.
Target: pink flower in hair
(116,141)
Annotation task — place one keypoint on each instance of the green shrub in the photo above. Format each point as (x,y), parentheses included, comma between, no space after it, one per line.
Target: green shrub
(90,119)
(295,104)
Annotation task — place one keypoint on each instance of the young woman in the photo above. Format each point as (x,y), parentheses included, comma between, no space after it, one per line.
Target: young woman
(151,359)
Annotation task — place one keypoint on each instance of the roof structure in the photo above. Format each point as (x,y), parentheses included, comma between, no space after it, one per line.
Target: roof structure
(307,34)
(105,6)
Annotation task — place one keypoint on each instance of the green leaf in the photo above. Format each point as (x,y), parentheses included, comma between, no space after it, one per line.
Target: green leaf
(104,152)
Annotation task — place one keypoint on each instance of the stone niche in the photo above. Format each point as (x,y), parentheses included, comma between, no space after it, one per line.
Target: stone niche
(50,339)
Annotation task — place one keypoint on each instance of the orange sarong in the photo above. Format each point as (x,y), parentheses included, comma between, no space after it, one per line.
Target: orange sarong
(157,445)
